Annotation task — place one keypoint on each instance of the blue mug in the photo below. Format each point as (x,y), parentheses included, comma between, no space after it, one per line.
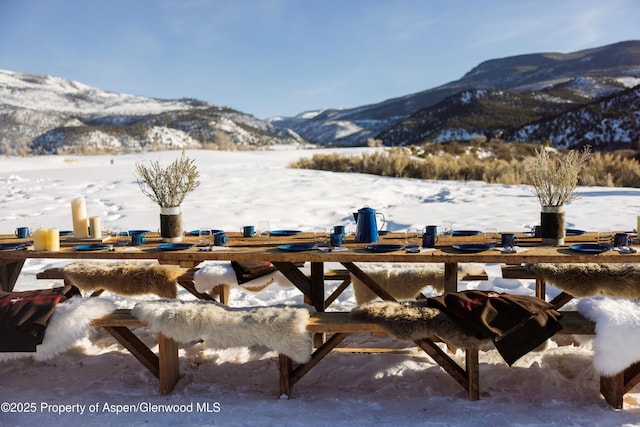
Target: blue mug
(620,240)
(429,240)
(508,240)
(336,239)
(137,238)
(22,232)
(220,238)
(248,231)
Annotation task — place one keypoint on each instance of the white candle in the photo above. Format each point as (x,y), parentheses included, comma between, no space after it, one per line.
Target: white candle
(52,239)
(94,226)
(40,239)
(79,215)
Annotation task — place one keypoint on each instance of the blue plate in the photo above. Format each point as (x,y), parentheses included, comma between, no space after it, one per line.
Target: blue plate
(384,248)
(298,247)
(92,247)
(131,232)
(8,246)
(590,248)
(66,233)
(474,247)
(465,232)
(175,246)
(284,232)
(573,232)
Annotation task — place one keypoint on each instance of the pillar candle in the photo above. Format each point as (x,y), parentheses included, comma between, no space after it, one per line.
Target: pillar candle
(52,239)
(94,226)
(39,239)
(79,215)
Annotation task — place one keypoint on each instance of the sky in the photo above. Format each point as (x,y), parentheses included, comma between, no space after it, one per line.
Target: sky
(283,57)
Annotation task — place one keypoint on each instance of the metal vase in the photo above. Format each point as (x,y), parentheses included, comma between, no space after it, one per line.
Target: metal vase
(552,225)
(171,224)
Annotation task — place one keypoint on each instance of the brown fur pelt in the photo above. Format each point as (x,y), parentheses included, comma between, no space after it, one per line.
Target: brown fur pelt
(412,320)
(585,280)
(125,278)
(403,281)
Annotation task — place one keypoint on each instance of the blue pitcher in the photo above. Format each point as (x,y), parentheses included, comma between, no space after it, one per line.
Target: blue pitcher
(366,225)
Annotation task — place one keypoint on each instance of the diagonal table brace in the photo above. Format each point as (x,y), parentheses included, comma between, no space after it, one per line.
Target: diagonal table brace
(9,272)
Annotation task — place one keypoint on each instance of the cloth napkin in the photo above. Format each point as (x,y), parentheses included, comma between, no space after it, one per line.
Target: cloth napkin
(249,276)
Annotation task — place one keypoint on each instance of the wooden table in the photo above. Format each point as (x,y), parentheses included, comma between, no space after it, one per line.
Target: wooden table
(266,249)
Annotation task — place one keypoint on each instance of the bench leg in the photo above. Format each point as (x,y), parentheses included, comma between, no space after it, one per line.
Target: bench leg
(169,369)
(612,389)
(286,366)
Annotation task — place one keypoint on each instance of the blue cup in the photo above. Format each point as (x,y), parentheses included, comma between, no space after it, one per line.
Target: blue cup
(429,240)
(220,238)
(620,240)
(248,231)
(137,238)
(508,240)
(336,239)
(22,232)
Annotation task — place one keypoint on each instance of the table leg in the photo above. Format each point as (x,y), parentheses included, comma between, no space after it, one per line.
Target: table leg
(317,285)
(450,277)
(9,272)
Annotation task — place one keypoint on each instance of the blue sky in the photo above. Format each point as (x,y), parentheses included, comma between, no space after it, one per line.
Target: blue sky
(283,57)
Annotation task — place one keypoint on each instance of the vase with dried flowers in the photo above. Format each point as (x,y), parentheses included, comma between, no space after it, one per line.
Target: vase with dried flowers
(168,186)
(554,181)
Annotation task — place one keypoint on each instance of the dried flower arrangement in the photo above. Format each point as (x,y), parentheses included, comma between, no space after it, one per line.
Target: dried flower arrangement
(168,186)
(554,180)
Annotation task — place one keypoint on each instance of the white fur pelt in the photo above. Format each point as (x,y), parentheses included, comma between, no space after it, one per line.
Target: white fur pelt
(125,278)
(617,342)
(281,328)
(70,322)
(403,281)
(211,274)
(590,279)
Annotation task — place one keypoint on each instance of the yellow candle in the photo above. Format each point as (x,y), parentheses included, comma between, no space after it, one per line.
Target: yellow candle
(638,226)
(79,215)
(40,239)
(94,226)
(53,239)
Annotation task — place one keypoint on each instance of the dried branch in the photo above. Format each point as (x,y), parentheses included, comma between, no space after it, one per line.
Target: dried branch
(168,186)
(555,180)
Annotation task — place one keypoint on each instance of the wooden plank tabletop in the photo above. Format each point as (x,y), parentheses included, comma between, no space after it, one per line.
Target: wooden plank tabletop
(266,249)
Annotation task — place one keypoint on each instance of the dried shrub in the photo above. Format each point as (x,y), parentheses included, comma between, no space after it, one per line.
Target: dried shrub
(555,179)
(168,186)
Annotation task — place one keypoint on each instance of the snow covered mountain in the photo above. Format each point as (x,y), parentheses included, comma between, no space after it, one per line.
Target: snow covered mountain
(47,114)
(574,79)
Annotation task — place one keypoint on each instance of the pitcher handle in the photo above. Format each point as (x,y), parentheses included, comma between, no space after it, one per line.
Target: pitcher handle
(383,221)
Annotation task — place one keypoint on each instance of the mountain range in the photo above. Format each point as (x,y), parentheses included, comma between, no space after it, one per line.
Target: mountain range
(586,97)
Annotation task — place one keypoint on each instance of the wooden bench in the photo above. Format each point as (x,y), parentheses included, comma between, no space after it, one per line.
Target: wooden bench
(164,365)
(521,272)
(340,325)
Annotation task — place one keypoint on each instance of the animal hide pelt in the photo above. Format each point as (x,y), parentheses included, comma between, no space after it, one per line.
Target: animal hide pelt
(279,327)
(617,324)
(412,320)
(125,278)
(403,280)
(585,280)
(70,322)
